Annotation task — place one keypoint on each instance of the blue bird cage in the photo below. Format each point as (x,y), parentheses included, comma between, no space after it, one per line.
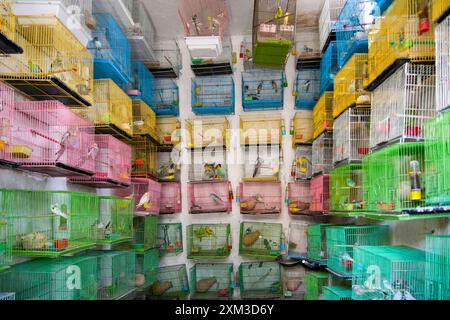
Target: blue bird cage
(328,68)
(307,90)
(142,83)
(355,20)
(166,97)
(383,5)
(111,50)
(262,89)
(213,95)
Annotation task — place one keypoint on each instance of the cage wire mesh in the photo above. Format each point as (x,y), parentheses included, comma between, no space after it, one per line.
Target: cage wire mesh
(145,231)
(207,132)
(170,201)
(169,130)
(170,238)
(346,188)
(437,268)
(262,89)
(142,34)
(302,166)
(208,241)
(443,64)
(141,86)
(320,193)
(261,128)
(328,68)
(166,55)
(169,164)
(212,281)
(307,88)
(299,197)
(302,127)
(323,114)
(7,115)
(209,164)
(7,19)
(209,197)
(322,154)
(327,20)
(6,233)
(261,163)
(314,283)
(172,283)
(439,10)
(7,296)
(260,280)
(336,293)
(144,158)
(146,194)
(146,268)
(144,120)
(166,99)
(260,197)
(293,282)
(308,43)
(260,240)
(213,95)
(317,242)
(297,245)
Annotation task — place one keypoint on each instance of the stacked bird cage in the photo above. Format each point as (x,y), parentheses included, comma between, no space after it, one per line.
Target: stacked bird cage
(439,10)
(393,177)
(216,60)
(302,127)
(317,242)
(437,270)
(261,129)
(323,114)
(112,160)
(8,31)
(346,188)
(342,240)
(320,193)
(144,158)
(388,273)
(49,223)
(260,240)
(336,293)
(328,68)
(207,132)
(146,268)
(307,46)
(442,64)
(349,85)
(7,115)
(307,88)
(6,233)
(208,165)
(48,137)
(166,62)
(208,241)
(144,120)
(209,197)
(260,280)
(142,35)
(322,155)
(327,21)
(262,89)
(302,166)
(169,164)
(260,197)
(294,282)
(403,34)
(297,245)
(7,296)
(299,197)
(146,194)
(213,95)
(111,50)
(166,99)
(145,231)
(169,130)
(52,279)
(142,83)
(261,163)
(170,238)
(172,283)
(314,283)
(212,281)
(170,201)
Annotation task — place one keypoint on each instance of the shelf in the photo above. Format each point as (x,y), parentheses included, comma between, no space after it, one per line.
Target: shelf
(405,216)
(213,69)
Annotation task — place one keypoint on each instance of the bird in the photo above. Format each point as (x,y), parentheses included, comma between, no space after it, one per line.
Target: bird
(97,45)
(259,88)
(265,275)
(56,210)
(144,202)
(34,68)
(62,145)
(220,171)
(278,13)
(350,182)
(57,63)
(258,165)
(306,85)
(275,86)
(216,198)
(93,151)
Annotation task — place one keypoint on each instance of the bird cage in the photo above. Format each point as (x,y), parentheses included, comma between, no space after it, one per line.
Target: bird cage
(307,88)
(346,188)
(323,114)
(144,120)
(262,89)
(261,163)
(327,21)
(8,33)
(212,281)
(302,127)
(207,132)
(52,279)
(320,193)
(141,86)
(355,20)
(166,62)
(260,280)
(297,244)
(393,177)
(6,233)
(351,135)
(170,238)
(439,10)
(388,273)
(299,197)
(166,99)
(7,112)
(341,241)
(142,34)
(146,268)
(111,50)
(146,194)
(322,155)
(307,43)
(49,137)
(317,242)
(208,241)
(328,68)
(213,95)
(49,223)
(144,158)
(169,130)
(260,197)
(302,166)
(314,283)
(172,283)
(437,268)
(336,293)
(261,129)
(169,163)
(349,85)
(442,65)
(261,240)
(112,160)
(145,230)
(116,271)
(273,31)
(170,201)
(404,33)
(294,282)
(211,56)
(208,165)
(209,197)
(7,296)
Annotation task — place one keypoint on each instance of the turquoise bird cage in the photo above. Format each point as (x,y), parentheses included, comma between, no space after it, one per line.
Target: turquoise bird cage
(213,95)
(328,68)
(142,83)
(307,88)
(262,89)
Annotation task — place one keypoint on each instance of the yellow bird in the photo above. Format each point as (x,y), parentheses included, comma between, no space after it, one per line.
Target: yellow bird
(279,13)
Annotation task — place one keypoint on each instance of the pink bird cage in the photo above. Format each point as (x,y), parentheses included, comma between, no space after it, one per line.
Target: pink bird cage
(146,194)
(170,198)
(260,197)
(50,138)
(210,197)
(6,121)
(112,164)
(320,193)
(299,197)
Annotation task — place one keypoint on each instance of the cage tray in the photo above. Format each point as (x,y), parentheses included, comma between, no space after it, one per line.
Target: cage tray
(74,247)
(100,184)
(308,63)
(213,69)
(7,46)
(163,73)
(113,130)
(57,169)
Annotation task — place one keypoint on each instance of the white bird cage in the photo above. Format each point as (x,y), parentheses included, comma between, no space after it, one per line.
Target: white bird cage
(293,282)
(351,135)
(402,104)
(302,167)
(7,296)
(322,155)
(209,164)
(166,58)
(142,34)
(443,64)
(169,164)
(327,20)
(261,163)
(298,244)
(307,43)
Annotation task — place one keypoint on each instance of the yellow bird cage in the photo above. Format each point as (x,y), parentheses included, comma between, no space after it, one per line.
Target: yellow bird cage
(144,158)
(349,85)
(403,33)
(7,19)
(207,132)
(438,9)
(261,129)
(144,120)
(54,64)
(323,114)
(169,130)
(302,127)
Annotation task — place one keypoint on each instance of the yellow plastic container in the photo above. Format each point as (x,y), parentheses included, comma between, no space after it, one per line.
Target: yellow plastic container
(303,129)
(207,131)
(323,114)
(21,151)
(438,8)
(261,129)
(169,130)
(144,119)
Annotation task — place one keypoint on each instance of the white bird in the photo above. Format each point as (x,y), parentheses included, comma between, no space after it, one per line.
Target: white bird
(397,296)
(145,199)
(93,151)
(56,209)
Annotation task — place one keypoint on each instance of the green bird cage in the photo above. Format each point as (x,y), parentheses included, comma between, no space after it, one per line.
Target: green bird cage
(146,268)
(208,241)
(170,238)
(145,232)
(346,188)
(260,240)
(336,293)
(115,223)
(392,177)
(388,273)
(260,280)
(49,223)
(294,282)
(341,240)
(5,244)
(437,271)
(171,283)
(317,243)
(66,278)
(314,283)
(212,281)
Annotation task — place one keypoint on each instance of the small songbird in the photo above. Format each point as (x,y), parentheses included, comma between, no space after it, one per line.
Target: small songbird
(62,145)
(93,151)
(258,165)
(56,210)
(144,202)
(275,86)
(278,13)
(220,172)
(34,67)
(97,45)
(57,64)
(259,88)
(306,85)
(216,198)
